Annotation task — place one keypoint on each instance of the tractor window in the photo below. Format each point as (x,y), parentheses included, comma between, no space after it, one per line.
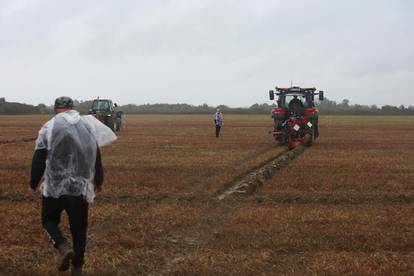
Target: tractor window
(290,97)
(100,105)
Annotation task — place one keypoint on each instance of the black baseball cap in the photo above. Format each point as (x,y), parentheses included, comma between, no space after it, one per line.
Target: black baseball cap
(63,102)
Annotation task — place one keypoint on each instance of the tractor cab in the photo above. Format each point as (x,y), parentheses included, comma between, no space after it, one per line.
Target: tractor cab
(294,100)
(102,105)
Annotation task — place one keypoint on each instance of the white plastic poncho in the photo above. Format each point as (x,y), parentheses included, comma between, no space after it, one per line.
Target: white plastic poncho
(72,146)
(103,134)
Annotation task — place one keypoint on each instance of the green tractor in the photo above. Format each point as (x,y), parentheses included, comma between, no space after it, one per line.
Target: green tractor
(105,111)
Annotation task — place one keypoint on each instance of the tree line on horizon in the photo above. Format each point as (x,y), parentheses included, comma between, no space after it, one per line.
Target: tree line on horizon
(326,107)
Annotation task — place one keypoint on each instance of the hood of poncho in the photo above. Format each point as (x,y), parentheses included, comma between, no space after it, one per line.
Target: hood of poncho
(71,116)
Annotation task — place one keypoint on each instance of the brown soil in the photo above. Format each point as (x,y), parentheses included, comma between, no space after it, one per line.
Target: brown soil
(344,206)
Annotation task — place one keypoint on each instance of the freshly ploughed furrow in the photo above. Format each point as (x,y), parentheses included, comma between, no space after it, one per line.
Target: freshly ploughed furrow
(252,181)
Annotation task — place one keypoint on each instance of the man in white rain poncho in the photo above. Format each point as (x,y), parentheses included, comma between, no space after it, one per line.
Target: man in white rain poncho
(67,155)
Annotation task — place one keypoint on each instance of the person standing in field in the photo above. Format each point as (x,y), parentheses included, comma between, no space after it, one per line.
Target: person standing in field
(218,121)
(68,157)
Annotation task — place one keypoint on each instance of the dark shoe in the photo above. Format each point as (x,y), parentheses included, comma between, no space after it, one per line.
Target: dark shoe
(76,271)
(66,254)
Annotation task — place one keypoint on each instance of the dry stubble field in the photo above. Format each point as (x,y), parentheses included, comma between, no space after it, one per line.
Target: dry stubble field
(342,207)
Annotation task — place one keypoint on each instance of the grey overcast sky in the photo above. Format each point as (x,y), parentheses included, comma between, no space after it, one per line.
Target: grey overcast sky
(206,51)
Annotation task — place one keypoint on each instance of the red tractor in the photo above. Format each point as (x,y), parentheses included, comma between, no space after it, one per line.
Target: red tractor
(295,117)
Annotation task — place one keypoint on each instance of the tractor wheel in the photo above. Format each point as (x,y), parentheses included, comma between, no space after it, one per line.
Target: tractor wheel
(281,141)
(118,125)
(111,124)
(312,137)
(316,128)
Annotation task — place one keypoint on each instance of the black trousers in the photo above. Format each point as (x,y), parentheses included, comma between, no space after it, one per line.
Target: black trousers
(218,127)
(76,208)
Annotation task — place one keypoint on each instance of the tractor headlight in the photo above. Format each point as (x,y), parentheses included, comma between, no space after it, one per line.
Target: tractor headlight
(296,127)
(309,124)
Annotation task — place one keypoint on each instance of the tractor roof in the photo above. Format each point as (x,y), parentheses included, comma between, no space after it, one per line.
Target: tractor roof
(103,100)
(296,89)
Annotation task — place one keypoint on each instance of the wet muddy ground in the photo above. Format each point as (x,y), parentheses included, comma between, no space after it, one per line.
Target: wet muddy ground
(179,201)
